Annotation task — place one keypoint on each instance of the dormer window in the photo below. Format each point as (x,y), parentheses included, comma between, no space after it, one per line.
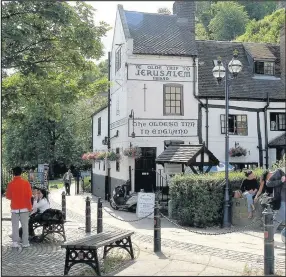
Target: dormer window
(265,68)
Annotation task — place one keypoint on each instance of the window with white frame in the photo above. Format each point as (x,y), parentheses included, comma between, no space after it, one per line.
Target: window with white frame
(173,99)
(277,122)
(237,124)
(263,67)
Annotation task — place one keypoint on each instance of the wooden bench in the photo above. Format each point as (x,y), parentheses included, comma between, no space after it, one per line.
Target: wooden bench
(85,250)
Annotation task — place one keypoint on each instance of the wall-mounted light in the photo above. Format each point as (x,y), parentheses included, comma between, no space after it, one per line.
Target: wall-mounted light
(132,116)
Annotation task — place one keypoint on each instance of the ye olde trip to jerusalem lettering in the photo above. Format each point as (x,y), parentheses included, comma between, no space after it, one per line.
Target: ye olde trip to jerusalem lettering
(160,72)
(163,128)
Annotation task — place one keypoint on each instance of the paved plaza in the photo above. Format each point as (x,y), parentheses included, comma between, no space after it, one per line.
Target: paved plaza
(183,252)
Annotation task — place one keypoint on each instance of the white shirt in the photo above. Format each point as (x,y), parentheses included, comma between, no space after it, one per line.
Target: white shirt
(42,205)
(20,211)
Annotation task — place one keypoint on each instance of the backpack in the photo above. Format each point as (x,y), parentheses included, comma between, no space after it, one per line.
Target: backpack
(53,215)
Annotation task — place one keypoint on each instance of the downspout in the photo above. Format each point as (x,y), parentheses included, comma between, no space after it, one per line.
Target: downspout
(266,132)
(260,151)
(201,104)
(207,123)
(108,193)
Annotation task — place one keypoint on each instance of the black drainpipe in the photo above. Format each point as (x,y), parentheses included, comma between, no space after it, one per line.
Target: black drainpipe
(207,122)
(201,104)
(266,132)
(108,192)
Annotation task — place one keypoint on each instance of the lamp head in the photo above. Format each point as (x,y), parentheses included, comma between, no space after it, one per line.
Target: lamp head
(219,71)
(235,66)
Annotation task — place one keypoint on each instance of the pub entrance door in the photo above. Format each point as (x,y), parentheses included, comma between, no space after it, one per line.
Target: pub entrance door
(145,174)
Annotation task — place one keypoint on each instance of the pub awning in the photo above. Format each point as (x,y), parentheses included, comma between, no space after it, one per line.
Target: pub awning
(188,154)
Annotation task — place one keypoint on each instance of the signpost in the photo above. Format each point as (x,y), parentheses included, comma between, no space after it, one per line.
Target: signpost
(145,205)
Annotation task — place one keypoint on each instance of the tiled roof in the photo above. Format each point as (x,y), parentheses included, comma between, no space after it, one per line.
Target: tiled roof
(184,154)
(278,141)
(245,86)
(259,51)
(157,34)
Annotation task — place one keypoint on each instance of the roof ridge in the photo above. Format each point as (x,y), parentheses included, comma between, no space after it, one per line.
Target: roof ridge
(160,14)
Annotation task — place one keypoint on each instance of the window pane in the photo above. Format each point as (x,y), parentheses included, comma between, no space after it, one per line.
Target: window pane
(178,110)
(173,103)
(173,110)
(168,96)
(178,96)
(167,89)
(238,117)
(173,96)
(178,90)
(168,103)
(173,90)
(168,110)
(178,103)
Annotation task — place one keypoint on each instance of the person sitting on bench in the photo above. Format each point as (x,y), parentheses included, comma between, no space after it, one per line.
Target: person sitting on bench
(40,205)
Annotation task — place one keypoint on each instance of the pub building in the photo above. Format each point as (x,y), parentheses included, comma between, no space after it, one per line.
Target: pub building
(165,100)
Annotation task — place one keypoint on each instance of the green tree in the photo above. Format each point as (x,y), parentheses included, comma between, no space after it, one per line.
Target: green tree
(41,34)
(259,9)
(229,21)
(264,30)
(164,10)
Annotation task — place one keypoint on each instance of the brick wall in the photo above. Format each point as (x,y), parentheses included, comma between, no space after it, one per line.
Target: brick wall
(185,10)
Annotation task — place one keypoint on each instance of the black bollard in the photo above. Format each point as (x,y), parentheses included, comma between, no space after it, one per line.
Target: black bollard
(157,228)
(87,216)
(268,241)
(99,216)
(77,184)
(64,208)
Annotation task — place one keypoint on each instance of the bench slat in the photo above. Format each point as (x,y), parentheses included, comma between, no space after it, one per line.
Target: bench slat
(98,240)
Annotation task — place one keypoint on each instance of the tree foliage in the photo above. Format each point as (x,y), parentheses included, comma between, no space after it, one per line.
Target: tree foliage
(41,34)
(264,30)
(228,18)
(164,10)
(229,21)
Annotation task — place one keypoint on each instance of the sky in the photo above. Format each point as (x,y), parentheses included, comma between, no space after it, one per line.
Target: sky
(106,11)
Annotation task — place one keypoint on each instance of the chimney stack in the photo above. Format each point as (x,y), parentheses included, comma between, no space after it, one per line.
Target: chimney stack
(185,10)
(282,52)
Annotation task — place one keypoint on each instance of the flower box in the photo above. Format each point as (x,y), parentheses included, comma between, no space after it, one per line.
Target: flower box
(132,152)
(237,151)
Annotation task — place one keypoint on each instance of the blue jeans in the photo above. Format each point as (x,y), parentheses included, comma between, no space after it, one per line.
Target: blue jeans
(249,198)
(279,216)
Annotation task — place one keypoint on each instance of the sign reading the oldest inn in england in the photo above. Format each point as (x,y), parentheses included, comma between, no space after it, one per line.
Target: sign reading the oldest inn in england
(152,72)
(163,127)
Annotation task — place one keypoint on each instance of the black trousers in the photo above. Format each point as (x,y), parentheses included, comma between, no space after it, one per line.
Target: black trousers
(67,186)
(34,218)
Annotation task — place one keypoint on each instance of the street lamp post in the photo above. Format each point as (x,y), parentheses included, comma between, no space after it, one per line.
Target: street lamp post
(219,72)
(132,117)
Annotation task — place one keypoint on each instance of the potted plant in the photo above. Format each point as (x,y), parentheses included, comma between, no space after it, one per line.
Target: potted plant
(132,152)
(237,151)
(112,156)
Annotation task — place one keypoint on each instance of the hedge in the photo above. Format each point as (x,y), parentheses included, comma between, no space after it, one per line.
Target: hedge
(197,200)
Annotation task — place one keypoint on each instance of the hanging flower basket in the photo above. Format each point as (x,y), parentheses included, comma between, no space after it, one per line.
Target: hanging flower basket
(112,156)
(133,152)
(237,151)
(100,156)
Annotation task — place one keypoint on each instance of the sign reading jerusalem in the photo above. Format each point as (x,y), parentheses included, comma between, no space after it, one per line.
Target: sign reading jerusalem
(163,127)
(152,72)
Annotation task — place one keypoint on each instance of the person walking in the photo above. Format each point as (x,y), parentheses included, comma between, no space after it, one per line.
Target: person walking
(20,193)
(278,182)
(67,181)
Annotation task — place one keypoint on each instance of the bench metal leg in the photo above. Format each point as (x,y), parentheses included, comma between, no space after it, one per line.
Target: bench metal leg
(78,256)
(67,268)
(123,243)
